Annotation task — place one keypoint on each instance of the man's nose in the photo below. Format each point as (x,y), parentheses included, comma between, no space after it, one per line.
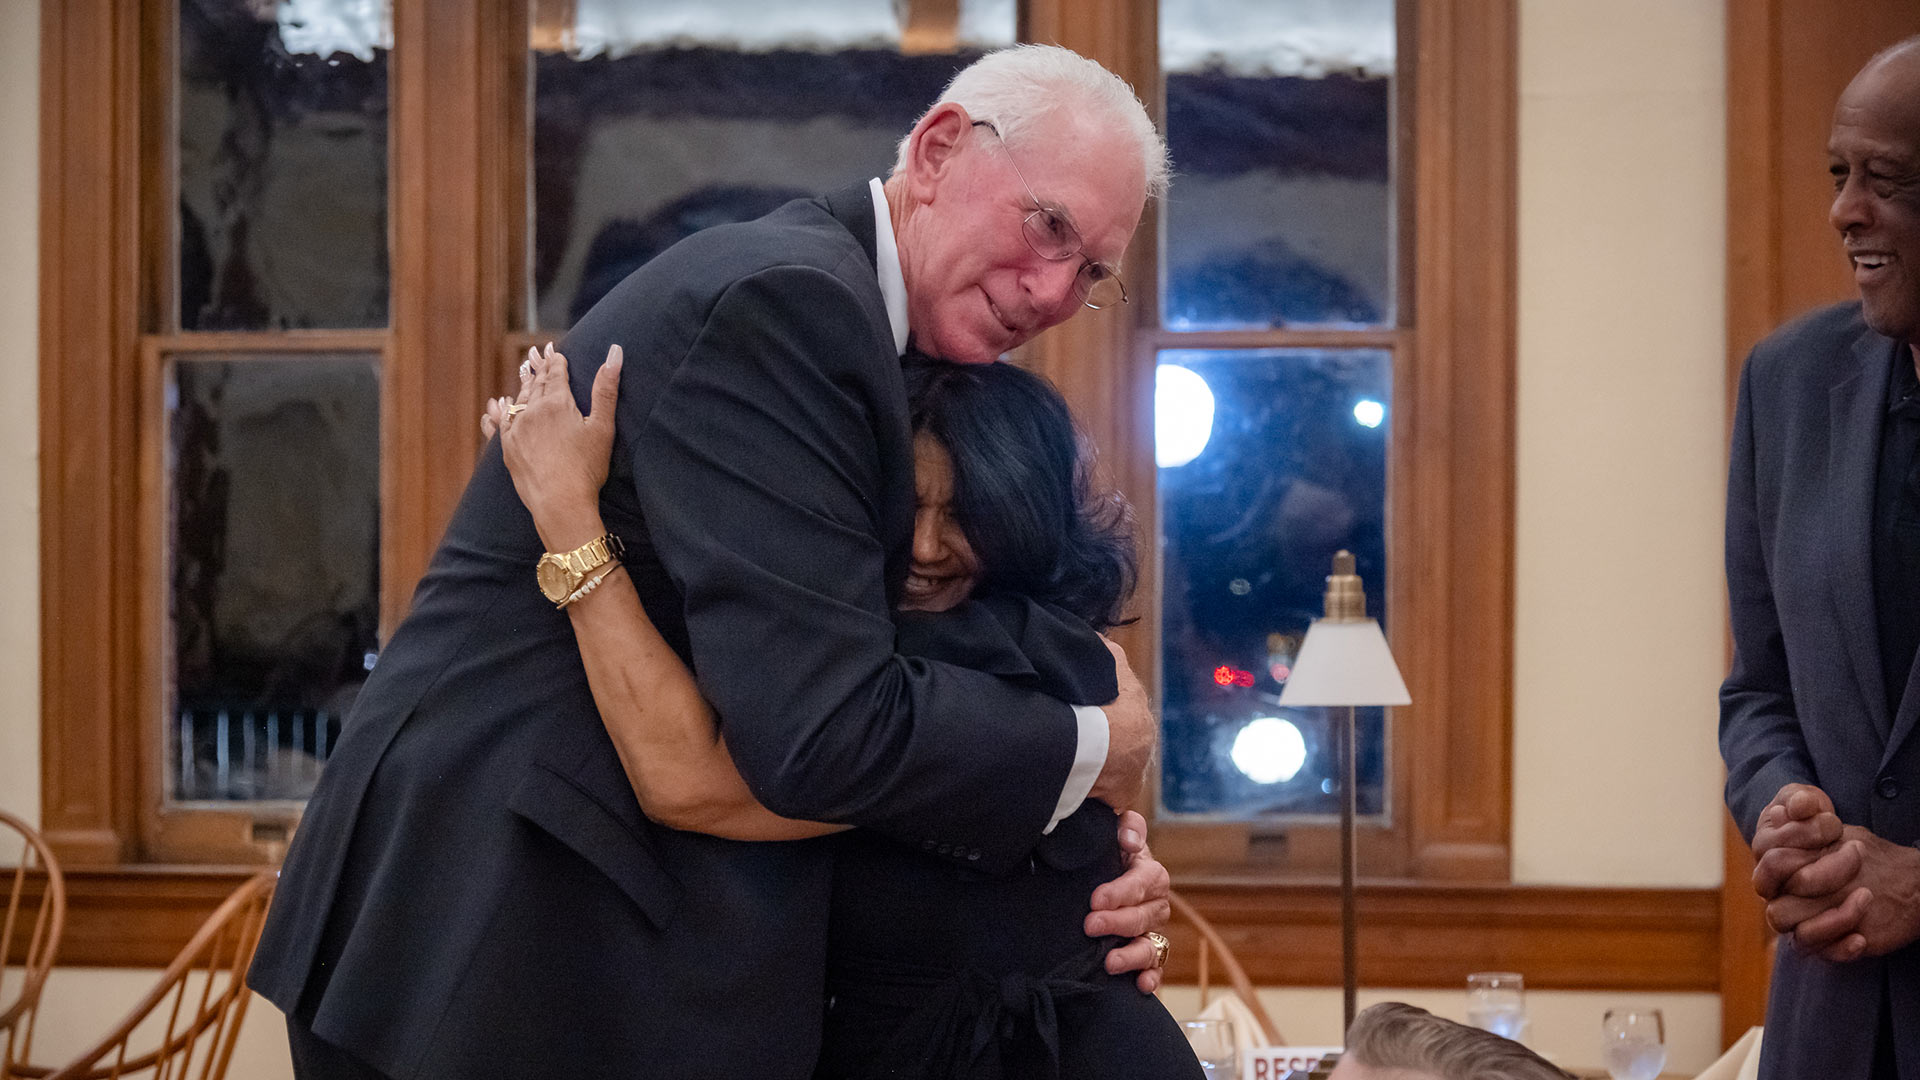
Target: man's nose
(1051,284)
(1851,209)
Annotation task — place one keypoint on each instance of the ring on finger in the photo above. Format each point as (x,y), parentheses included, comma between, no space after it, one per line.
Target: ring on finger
(1160,948)
(516,408)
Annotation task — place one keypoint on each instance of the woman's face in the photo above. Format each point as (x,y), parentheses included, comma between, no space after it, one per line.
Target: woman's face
(944,568)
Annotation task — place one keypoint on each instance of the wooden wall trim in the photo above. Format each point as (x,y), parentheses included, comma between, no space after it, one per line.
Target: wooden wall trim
(1432,936)
(1753,194)
(89,276)
(458,75)
(1456,440)
(1411,935)
(1753,307)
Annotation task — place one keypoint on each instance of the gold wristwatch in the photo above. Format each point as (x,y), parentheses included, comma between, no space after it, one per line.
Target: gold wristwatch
(560,575)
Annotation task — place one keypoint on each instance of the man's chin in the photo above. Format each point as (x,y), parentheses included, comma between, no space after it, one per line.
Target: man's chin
(1899,321)
(961,347)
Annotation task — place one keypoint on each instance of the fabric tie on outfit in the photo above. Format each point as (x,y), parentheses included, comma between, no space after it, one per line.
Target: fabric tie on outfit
(973,1025)
(1011,1011)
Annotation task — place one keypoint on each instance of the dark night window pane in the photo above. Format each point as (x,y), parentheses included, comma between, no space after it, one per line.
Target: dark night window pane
(283,164)
(653,120)
(1280,121)
(273,472)
(1270,461)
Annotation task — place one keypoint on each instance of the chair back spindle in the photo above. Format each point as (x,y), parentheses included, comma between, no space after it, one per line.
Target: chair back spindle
(30,928)
(1211,944)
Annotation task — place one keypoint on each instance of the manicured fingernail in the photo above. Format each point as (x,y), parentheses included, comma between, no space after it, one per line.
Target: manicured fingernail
(1128,836)
(615,354)
(533,355)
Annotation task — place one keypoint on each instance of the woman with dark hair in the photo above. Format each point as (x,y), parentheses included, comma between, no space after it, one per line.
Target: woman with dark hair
(934,971)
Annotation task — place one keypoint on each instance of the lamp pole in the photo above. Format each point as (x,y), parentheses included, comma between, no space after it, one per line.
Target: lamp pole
(1346,602)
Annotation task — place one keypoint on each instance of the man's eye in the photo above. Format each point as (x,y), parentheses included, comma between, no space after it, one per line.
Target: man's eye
(1054,225)
(1097,272)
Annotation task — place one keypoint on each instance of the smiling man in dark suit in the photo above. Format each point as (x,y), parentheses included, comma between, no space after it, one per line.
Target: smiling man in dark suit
(1817,717)
(473,890)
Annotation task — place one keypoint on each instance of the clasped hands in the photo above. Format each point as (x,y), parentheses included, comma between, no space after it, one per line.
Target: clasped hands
(1840,891)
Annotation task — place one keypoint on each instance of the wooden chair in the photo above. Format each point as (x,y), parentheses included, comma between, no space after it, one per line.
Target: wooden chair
(1210,944)
(29,934)
(205,995)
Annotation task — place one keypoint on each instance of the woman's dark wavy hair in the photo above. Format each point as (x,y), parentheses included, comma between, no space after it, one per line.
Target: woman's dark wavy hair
(1022,489)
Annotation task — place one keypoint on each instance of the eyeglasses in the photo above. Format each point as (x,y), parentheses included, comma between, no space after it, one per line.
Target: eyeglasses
(1051,235)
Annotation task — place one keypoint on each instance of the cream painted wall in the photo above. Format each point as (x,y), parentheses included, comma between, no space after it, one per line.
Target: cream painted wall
(19,436)
(1618,617)
(1618,598)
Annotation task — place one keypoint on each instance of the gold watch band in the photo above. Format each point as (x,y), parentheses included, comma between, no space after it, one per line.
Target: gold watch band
(560,573)
(587,558)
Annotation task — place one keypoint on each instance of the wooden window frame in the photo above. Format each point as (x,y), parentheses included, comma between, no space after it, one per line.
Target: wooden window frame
(1450,512)
(458,106)
(109,306)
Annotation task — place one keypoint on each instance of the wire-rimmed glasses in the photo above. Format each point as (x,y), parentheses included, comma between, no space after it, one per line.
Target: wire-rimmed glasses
(1050,233)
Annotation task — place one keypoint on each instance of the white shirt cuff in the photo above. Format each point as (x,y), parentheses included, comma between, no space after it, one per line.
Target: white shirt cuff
(1088,760)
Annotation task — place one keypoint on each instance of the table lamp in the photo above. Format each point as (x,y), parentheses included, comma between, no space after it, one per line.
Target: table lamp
(1345,663)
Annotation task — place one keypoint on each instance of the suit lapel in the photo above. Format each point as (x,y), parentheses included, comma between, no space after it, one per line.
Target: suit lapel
(852,207)
(1856,407)
(1909,712)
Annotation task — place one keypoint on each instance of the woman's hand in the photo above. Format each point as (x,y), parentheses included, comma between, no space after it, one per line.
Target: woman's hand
(558,458)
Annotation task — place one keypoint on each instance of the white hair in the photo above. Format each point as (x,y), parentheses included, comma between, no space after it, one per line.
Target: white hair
(1014,87)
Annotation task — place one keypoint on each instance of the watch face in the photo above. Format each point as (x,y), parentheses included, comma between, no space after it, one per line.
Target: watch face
(555,580)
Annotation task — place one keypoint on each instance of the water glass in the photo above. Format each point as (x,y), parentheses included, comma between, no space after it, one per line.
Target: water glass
(1212,1042)
(1634,1043)
(1497,1002)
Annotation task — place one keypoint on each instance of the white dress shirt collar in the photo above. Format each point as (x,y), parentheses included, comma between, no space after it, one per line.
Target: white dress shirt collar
(886,250)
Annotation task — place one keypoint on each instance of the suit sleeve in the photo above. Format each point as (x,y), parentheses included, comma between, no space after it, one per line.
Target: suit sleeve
(758,470)
(1760,737)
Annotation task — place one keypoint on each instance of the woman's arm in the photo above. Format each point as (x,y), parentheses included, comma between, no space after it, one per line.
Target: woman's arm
(664,732)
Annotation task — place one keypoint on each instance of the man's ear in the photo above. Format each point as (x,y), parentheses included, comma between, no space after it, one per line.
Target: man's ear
(936,141)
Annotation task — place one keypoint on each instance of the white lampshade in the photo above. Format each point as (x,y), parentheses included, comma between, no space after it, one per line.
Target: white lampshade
(1344,663)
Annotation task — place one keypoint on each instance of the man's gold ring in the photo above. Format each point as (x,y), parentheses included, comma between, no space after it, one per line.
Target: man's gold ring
(516,408)
(1160,948)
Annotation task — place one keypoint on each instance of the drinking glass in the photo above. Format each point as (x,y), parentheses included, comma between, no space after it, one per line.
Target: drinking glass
(1496,1002)
(1634,1043)
(1212,1042)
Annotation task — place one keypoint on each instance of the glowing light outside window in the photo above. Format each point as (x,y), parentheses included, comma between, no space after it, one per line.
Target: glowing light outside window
(1229,676)
(1269,750)
(1182,415)
(1369,413)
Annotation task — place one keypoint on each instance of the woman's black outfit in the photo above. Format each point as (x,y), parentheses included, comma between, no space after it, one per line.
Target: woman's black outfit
(937,971)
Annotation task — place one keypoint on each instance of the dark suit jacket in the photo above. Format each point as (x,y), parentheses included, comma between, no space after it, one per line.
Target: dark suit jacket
(473,890)
(1805,701)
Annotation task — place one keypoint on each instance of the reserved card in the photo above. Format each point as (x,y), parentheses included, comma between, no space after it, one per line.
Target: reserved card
(1280,1062)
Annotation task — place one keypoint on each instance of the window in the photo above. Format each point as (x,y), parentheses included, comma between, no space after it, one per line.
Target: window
(1330,283)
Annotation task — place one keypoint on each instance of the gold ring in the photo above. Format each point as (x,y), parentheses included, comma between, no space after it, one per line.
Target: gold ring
(1160,948)
(516,409)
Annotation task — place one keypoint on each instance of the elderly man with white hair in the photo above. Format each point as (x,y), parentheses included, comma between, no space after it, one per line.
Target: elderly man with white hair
(474,890)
